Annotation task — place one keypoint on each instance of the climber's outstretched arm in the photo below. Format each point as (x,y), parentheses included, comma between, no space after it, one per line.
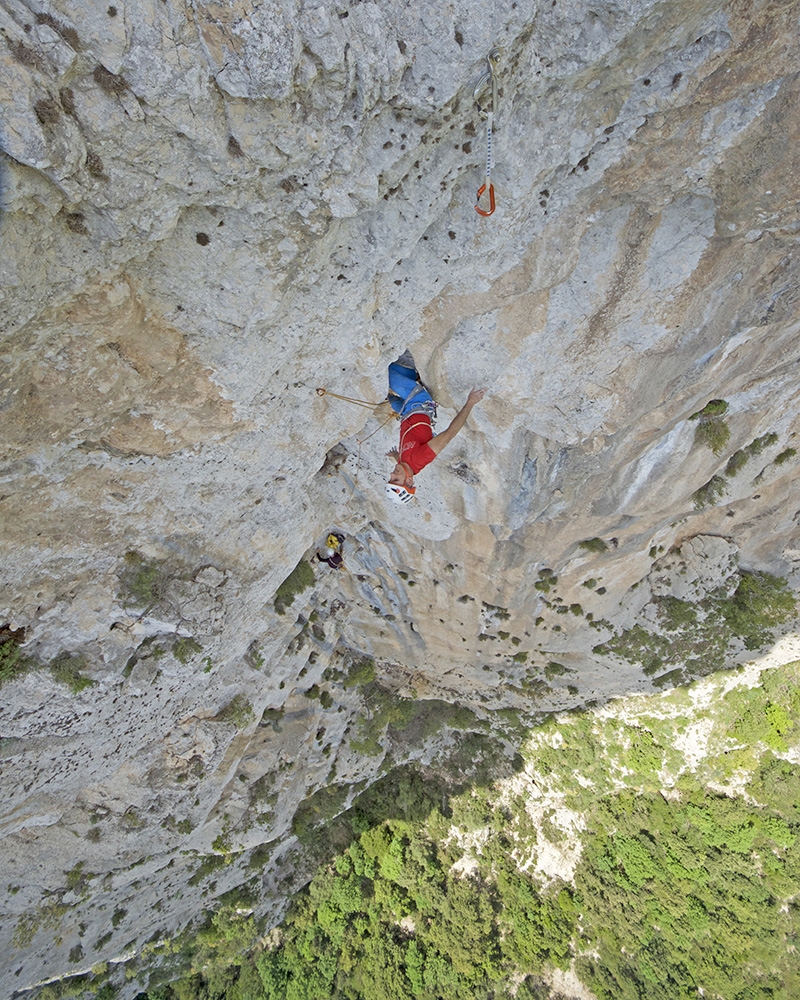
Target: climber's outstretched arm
(437,443)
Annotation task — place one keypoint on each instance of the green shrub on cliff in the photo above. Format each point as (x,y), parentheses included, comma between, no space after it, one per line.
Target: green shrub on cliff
(12,661)
(66,668)
(699,635)
(238,711)
(761,603)
(712,431)
(143,580)
(710,492)
(301,577)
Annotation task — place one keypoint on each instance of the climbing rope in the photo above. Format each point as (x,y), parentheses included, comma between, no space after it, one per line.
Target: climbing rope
(488,77)
(361,441)
(371,406)
(349,399)
(392,416)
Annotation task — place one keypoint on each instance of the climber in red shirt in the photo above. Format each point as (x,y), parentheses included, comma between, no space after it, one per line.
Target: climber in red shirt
(418,445)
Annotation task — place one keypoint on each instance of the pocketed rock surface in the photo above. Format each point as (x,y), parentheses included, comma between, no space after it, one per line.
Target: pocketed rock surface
(210,210)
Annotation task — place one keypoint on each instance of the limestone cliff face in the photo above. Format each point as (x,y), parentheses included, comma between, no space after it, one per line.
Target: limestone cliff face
(211,209)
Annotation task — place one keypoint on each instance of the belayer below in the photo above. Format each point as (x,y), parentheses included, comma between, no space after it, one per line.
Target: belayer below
(332,553)
(418,446)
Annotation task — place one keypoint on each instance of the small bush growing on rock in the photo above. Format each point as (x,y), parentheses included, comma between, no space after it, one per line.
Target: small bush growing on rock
(76,223)
(547,580)
(145,581)
(185,648)
(66,669)
(712,432)
(761,603)
(301,577)
(26,56)
(736,462)
(714,408)
(77,878)
(70,35)
(739,459)
(260,856)
(710,492)
(502,614)
(95,165)
(239,711)
(760,443)
(254,657)
(785,455)
(272,717)
(109,82)
(12,661)
(131,819)
(361,672)
(208,865)
(593,545)
(47,111)
(101,942)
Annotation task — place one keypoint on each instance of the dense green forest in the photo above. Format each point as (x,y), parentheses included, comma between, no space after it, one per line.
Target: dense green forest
(687,878)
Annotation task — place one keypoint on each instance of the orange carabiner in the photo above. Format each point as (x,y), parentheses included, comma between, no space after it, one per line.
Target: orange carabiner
(481,190)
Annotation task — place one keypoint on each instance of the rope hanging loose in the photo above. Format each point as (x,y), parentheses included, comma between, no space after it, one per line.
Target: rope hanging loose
(392,416)
(487,187)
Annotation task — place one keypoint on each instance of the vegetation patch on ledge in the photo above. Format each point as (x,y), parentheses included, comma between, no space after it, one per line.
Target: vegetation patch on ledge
(693,639)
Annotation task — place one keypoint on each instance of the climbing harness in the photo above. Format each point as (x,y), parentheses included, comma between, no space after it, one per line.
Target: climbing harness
(408,406)
(489,77)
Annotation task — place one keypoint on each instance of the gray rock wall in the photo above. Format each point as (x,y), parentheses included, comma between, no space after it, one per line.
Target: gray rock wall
(208,211)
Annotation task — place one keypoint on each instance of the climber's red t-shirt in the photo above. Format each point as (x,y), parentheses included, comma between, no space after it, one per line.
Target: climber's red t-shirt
(415,433)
